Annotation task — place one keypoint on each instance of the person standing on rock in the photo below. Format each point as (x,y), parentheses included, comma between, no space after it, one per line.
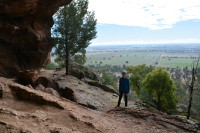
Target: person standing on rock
(124,88)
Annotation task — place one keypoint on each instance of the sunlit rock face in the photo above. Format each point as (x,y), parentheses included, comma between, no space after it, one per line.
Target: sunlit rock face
(25,34)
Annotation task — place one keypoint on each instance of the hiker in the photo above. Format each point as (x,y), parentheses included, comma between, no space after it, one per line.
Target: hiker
(124,88)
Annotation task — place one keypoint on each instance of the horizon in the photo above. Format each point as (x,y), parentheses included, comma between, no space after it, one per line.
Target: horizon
(164,44)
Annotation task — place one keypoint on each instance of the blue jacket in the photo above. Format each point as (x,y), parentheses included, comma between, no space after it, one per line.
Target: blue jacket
(124,85)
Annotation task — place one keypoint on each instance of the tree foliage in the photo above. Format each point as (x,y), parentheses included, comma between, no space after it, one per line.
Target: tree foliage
(74,28)
(138,74)
(51,66)
(160,85)
(80,57)
(109,79)
(196,103)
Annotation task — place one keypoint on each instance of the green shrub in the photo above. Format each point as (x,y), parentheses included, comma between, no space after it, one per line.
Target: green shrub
(51,66)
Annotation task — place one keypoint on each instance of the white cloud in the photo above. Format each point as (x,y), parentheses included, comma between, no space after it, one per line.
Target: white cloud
(177,41)
(152,14)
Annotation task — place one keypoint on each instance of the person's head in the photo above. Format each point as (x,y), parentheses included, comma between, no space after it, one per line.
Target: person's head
(124,73)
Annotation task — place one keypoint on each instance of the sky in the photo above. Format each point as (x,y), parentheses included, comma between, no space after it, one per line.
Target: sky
(146,21)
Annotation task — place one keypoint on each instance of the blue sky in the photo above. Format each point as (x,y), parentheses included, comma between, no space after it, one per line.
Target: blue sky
(182,32)
(146,21)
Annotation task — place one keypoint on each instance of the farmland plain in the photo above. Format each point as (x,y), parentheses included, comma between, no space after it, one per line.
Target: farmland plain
(171,56)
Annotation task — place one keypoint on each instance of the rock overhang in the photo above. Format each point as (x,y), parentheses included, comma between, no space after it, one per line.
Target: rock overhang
(25,34)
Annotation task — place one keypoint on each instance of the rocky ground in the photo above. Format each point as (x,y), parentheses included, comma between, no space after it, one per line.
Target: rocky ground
(75,107)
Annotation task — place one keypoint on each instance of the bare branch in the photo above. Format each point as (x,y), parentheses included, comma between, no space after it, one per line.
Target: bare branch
(192,84)
(186,82)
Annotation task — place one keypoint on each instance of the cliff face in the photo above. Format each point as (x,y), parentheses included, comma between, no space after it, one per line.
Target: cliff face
(25,34)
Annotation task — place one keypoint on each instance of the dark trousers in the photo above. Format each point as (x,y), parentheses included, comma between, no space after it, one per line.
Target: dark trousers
(120,98)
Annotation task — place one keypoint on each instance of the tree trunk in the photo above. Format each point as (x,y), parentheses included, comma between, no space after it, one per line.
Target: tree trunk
(67,60)
(66,45)
(191,92)
(136,84)
(158,104)
(190,102)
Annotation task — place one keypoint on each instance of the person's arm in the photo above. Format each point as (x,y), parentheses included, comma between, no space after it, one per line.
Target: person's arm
(119,83)
(128,85)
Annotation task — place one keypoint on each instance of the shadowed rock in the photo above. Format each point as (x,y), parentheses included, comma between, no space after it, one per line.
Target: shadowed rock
(102,86)
(80,72)
(1,92)
(48,82)
(40,87)
(68,93)
(24,93)
(25,34)
(88,106)
(27,77)
(51,86)
(48,90)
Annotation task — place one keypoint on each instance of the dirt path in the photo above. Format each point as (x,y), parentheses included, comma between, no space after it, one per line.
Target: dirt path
(19,115)
(26,117)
